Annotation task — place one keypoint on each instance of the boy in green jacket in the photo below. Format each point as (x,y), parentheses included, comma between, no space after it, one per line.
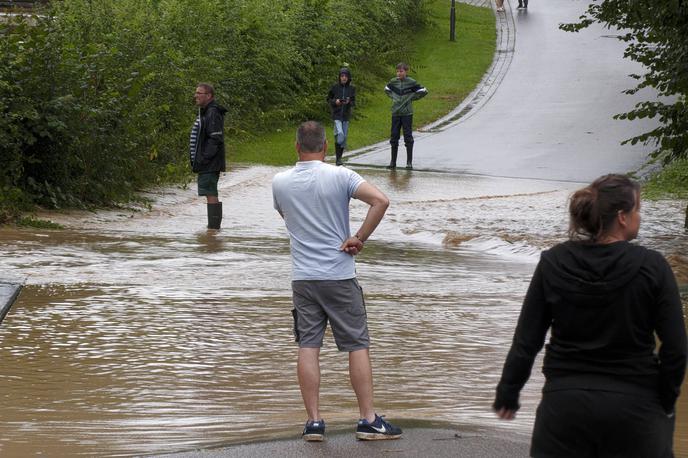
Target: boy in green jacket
(403,91)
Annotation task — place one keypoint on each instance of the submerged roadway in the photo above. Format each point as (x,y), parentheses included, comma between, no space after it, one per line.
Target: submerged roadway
(544,111)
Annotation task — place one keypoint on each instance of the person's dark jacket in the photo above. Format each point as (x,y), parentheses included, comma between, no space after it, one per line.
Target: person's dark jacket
(604,304)
(342,92)
(210,145)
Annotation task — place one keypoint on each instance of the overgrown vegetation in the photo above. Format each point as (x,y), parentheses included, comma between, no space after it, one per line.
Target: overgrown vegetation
(29,221)
(95,96)
(669,183)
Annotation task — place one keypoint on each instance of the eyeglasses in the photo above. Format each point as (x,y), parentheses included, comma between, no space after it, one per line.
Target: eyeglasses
(201,93)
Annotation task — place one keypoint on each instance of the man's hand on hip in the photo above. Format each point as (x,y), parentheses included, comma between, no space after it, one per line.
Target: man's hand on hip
(352,245)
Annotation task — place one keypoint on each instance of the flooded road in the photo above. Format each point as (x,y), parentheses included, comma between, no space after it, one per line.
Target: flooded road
(140,333)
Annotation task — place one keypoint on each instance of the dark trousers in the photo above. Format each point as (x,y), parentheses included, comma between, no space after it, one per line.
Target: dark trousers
(399,123)
(600,424)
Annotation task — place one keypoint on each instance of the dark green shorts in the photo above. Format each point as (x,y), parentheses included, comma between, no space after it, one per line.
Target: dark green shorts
(207,183)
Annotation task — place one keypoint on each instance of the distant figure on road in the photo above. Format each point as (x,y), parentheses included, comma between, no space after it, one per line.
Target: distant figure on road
(607,392)
(207,150)
(522,4)
(313,198)
(403,90)
(341,98)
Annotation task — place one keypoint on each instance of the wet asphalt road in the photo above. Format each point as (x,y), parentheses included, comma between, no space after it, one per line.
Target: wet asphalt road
(545,108)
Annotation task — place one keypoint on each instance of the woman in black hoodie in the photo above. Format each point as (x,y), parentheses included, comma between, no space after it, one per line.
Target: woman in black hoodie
(607,392)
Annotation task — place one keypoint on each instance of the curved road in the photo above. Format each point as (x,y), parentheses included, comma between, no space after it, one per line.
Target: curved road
(544,110)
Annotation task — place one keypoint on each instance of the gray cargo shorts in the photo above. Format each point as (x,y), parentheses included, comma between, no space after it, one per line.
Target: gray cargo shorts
(338,301)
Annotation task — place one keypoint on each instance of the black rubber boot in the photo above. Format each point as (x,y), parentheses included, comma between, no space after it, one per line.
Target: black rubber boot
(338,151)
(214,215)
(409,156)
(393,163)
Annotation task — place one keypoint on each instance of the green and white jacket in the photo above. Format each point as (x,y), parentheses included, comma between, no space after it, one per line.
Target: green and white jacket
(403,93)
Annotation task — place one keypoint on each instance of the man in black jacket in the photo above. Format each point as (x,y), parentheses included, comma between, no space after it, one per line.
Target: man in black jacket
(342,97)
(207,150)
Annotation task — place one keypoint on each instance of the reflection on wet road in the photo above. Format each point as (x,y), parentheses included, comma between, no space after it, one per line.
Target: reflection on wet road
(139,332)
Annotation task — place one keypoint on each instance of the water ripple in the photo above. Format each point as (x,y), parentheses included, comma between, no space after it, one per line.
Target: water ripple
(140,332)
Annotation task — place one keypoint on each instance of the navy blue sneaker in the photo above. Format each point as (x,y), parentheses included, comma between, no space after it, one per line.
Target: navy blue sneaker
(377,430)
(314,431)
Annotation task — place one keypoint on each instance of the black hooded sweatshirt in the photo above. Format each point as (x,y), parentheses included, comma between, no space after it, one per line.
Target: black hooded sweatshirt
(342,92)
(604,304)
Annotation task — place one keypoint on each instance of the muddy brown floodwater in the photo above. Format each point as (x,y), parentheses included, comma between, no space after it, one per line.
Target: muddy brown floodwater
(140,333)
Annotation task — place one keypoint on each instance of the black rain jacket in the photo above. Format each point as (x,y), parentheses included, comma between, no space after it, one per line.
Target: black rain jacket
(210,144)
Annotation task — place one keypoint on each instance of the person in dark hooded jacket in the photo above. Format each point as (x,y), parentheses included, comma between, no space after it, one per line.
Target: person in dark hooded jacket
(341,98)
(607,391)
(207,150)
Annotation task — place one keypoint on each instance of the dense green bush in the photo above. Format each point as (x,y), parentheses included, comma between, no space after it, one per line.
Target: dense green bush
(96,95)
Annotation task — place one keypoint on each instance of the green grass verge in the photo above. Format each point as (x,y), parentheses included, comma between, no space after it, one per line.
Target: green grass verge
(669,183)
(450,71)
(28,221)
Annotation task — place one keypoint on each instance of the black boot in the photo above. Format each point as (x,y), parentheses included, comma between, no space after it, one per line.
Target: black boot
(338,151)
(393,163)
(409,156)
(214,215)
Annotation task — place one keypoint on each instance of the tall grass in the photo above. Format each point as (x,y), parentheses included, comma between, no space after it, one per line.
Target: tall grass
(671,182)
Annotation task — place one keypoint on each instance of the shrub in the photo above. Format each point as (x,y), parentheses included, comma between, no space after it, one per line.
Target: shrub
(96,95)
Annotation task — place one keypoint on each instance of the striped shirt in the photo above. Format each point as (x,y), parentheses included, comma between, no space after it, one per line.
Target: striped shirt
(193,140)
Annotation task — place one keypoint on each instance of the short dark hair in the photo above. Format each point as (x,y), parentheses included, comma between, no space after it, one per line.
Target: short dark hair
(593,209)
(207,87)
(403,65)
(311,137)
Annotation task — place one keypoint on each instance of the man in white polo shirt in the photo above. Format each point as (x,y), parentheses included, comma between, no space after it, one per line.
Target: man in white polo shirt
(313,198)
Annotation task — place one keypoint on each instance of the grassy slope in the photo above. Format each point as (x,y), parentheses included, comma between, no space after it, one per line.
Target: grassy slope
(670,182)
(450,71)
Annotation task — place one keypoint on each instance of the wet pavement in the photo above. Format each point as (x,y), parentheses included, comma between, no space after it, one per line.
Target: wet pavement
(417,441)
(544,109)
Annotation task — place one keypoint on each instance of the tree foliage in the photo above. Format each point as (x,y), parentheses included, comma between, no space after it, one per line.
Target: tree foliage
(655,33)
(96,95)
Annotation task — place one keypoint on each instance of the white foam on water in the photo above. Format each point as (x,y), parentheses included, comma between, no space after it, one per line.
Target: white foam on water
(425,238)
(516,251)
